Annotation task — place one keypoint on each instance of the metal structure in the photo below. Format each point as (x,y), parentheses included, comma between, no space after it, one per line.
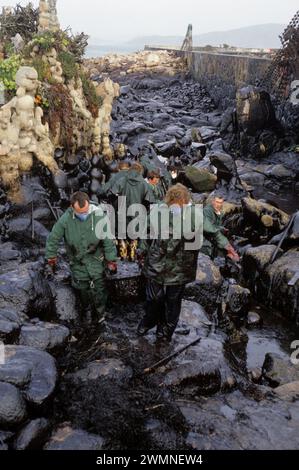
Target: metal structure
(285,66)
(187,46)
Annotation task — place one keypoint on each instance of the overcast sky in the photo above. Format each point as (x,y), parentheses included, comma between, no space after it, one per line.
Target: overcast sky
(125,19)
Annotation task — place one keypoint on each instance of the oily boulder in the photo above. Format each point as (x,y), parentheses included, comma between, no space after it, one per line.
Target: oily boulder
(113,369)
(293,233)
(20,229)
(66,438)
(26,291)
(205,289)
(264,215)
(200,180)
(225,165)
(193,317)
(203,366)
(9,326)
(256,259)
(44,336)
(255,111)
(12,406)
(65,303)
(279,284)
(8,253)
(15,289)
(33,435)
(278,371)
(31,370)
(276,284)
(238,300)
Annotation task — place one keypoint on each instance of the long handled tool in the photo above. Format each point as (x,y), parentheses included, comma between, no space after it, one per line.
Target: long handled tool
(167,359)
(284,236)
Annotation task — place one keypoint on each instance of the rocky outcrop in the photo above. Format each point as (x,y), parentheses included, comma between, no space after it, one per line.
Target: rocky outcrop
(205,289)
(23,134)
(159,62)
(273,283)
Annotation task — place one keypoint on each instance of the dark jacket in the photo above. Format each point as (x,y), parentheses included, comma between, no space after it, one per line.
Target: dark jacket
(105,189)
(87,243)
(168,261)
(135,188)
(214,240)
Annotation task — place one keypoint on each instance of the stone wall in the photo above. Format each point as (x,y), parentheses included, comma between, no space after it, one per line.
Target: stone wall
(223,74)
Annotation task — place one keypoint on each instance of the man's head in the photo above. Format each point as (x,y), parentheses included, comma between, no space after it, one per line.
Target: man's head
(217,202)
(154,177)
(124,165)
(178,195)
(80,203)
(136,166)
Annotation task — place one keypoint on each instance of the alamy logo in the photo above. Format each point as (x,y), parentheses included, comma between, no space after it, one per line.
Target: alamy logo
(162,222)
(2,354)
(294,97)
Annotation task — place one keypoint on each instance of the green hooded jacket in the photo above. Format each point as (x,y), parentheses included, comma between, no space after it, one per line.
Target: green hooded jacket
(135,188)
(106,187)
(169,260)
(214,240)
(88,243)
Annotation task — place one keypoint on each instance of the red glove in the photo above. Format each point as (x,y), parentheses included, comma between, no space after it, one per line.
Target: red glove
(52,263)
(232,254)
(112,267)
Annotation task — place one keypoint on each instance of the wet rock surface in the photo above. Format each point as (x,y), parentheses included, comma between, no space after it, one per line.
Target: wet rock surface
(33,371)
(12,406)
(240,424)
(33,435)
(205,289)
(44,336)
(67,438)
(278,371)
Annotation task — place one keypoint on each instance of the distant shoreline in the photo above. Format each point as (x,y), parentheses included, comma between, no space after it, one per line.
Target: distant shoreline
(100,51)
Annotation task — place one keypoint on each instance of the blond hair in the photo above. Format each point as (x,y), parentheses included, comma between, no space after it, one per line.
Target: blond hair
(178,194)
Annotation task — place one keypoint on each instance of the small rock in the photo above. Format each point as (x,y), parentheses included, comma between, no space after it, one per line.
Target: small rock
(205,289)
(253,320)
(110,368)
(44,336)
(33,435)
(278,371)
(200,180)
(288,392)
(12,406)
(66,438)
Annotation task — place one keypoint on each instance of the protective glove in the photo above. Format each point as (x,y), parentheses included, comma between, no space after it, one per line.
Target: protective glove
(53,264)
(112,267)
(232,254)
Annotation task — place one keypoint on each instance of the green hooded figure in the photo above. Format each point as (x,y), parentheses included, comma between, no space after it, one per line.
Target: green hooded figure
(85,229)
